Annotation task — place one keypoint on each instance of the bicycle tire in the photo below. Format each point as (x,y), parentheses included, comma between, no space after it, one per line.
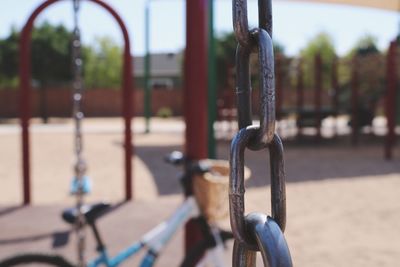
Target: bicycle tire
(199,249)
(35,258)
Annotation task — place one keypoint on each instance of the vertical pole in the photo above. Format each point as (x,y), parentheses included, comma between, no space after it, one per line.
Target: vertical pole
(354,103)
(335,87)
(25,106)
(147,66)
(212,83)
(279,89)
(318,94)
(390,99)
(300,98)
(195,95)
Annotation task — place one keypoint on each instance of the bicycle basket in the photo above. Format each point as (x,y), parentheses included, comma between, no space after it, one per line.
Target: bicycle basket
(211,190)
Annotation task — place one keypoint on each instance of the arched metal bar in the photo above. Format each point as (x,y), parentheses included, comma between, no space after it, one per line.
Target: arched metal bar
(25,96)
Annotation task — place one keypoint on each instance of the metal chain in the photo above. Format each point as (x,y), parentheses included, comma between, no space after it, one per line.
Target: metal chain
(80,164)
(256,231)
(258,39)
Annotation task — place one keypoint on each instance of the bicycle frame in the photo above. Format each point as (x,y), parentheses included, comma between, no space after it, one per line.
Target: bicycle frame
(155,240)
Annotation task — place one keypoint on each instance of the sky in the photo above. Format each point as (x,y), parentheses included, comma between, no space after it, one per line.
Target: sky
(294,23)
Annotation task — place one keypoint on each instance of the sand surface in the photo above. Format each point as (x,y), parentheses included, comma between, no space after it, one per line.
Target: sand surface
(343,202)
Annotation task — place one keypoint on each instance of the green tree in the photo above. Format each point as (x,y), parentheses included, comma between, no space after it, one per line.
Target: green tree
(370,66)
(52,58)
(103,64)
(321,44)
(8,59)
(51,55)
(365,45)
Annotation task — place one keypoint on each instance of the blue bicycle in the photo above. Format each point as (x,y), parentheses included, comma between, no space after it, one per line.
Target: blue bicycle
(209,251)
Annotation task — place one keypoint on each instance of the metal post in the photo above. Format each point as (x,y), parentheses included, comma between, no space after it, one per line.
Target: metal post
(195,95)
(25,104)
(318,94)
(212,83)
(300,97)
(147,70)
(390,99)
(354,103)
(335,87)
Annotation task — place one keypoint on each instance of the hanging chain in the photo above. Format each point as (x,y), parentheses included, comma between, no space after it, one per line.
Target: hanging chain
(258,39)
(256,231)
(80,164)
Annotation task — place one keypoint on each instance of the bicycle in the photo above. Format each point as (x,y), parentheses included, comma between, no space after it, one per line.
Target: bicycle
(156,239)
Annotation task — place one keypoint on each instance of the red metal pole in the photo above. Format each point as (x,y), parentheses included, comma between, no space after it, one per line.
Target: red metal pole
(25,96)
(300,97)
(335,87)
(390,99)
(195,94)
(318,93)
(354,103)
(25,107)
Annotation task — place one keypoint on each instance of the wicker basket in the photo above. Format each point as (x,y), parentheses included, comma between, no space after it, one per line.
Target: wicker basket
(211,190)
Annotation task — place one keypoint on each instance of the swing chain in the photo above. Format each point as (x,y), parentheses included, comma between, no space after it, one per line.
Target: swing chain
(256,231)
(80,164)
(255,40)
(237,189)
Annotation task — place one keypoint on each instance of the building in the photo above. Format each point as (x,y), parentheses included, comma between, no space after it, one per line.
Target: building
(165,73)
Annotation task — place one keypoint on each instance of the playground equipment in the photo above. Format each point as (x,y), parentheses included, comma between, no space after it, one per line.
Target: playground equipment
(391,98)
(256,231)
(25,97)
(367,88)
(80,184)
(195,96)
(312,116)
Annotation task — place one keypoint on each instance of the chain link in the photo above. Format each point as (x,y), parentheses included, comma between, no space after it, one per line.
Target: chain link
(258,39)
(256,231)
(270,241)
(241,23)
(80,163)
(237,190)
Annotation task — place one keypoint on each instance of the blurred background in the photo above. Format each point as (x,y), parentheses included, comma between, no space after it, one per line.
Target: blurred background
(337,65)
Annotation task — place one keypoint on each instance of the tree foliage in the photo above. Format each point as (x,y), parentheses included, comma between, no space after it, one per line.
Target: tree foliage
(103,64)
(51,52)
(365,45)
(323,45)
(370,65)
(9,59)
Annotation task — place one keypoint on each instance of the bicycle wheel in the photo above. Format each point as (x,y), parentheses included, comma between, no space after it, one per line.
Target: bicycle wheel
(35,260)
(199,249)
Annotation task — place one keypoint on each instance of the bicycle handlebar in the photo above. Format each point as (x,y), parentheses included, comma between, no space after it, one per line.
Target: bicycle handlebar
(177,158)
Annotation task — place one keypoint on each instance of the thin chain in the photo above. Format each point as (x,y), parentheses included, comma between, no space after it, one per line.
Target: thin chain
(80,164)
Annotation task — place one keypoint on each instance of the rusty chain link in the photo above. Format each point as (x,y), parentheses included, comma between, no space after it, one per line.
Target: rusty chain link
(258,39)
(270,241)
(236,185)
(256,231)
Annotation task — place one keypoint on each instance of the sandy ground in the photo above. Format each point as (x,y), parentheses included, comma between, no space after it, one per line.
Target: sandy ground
(343,202)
